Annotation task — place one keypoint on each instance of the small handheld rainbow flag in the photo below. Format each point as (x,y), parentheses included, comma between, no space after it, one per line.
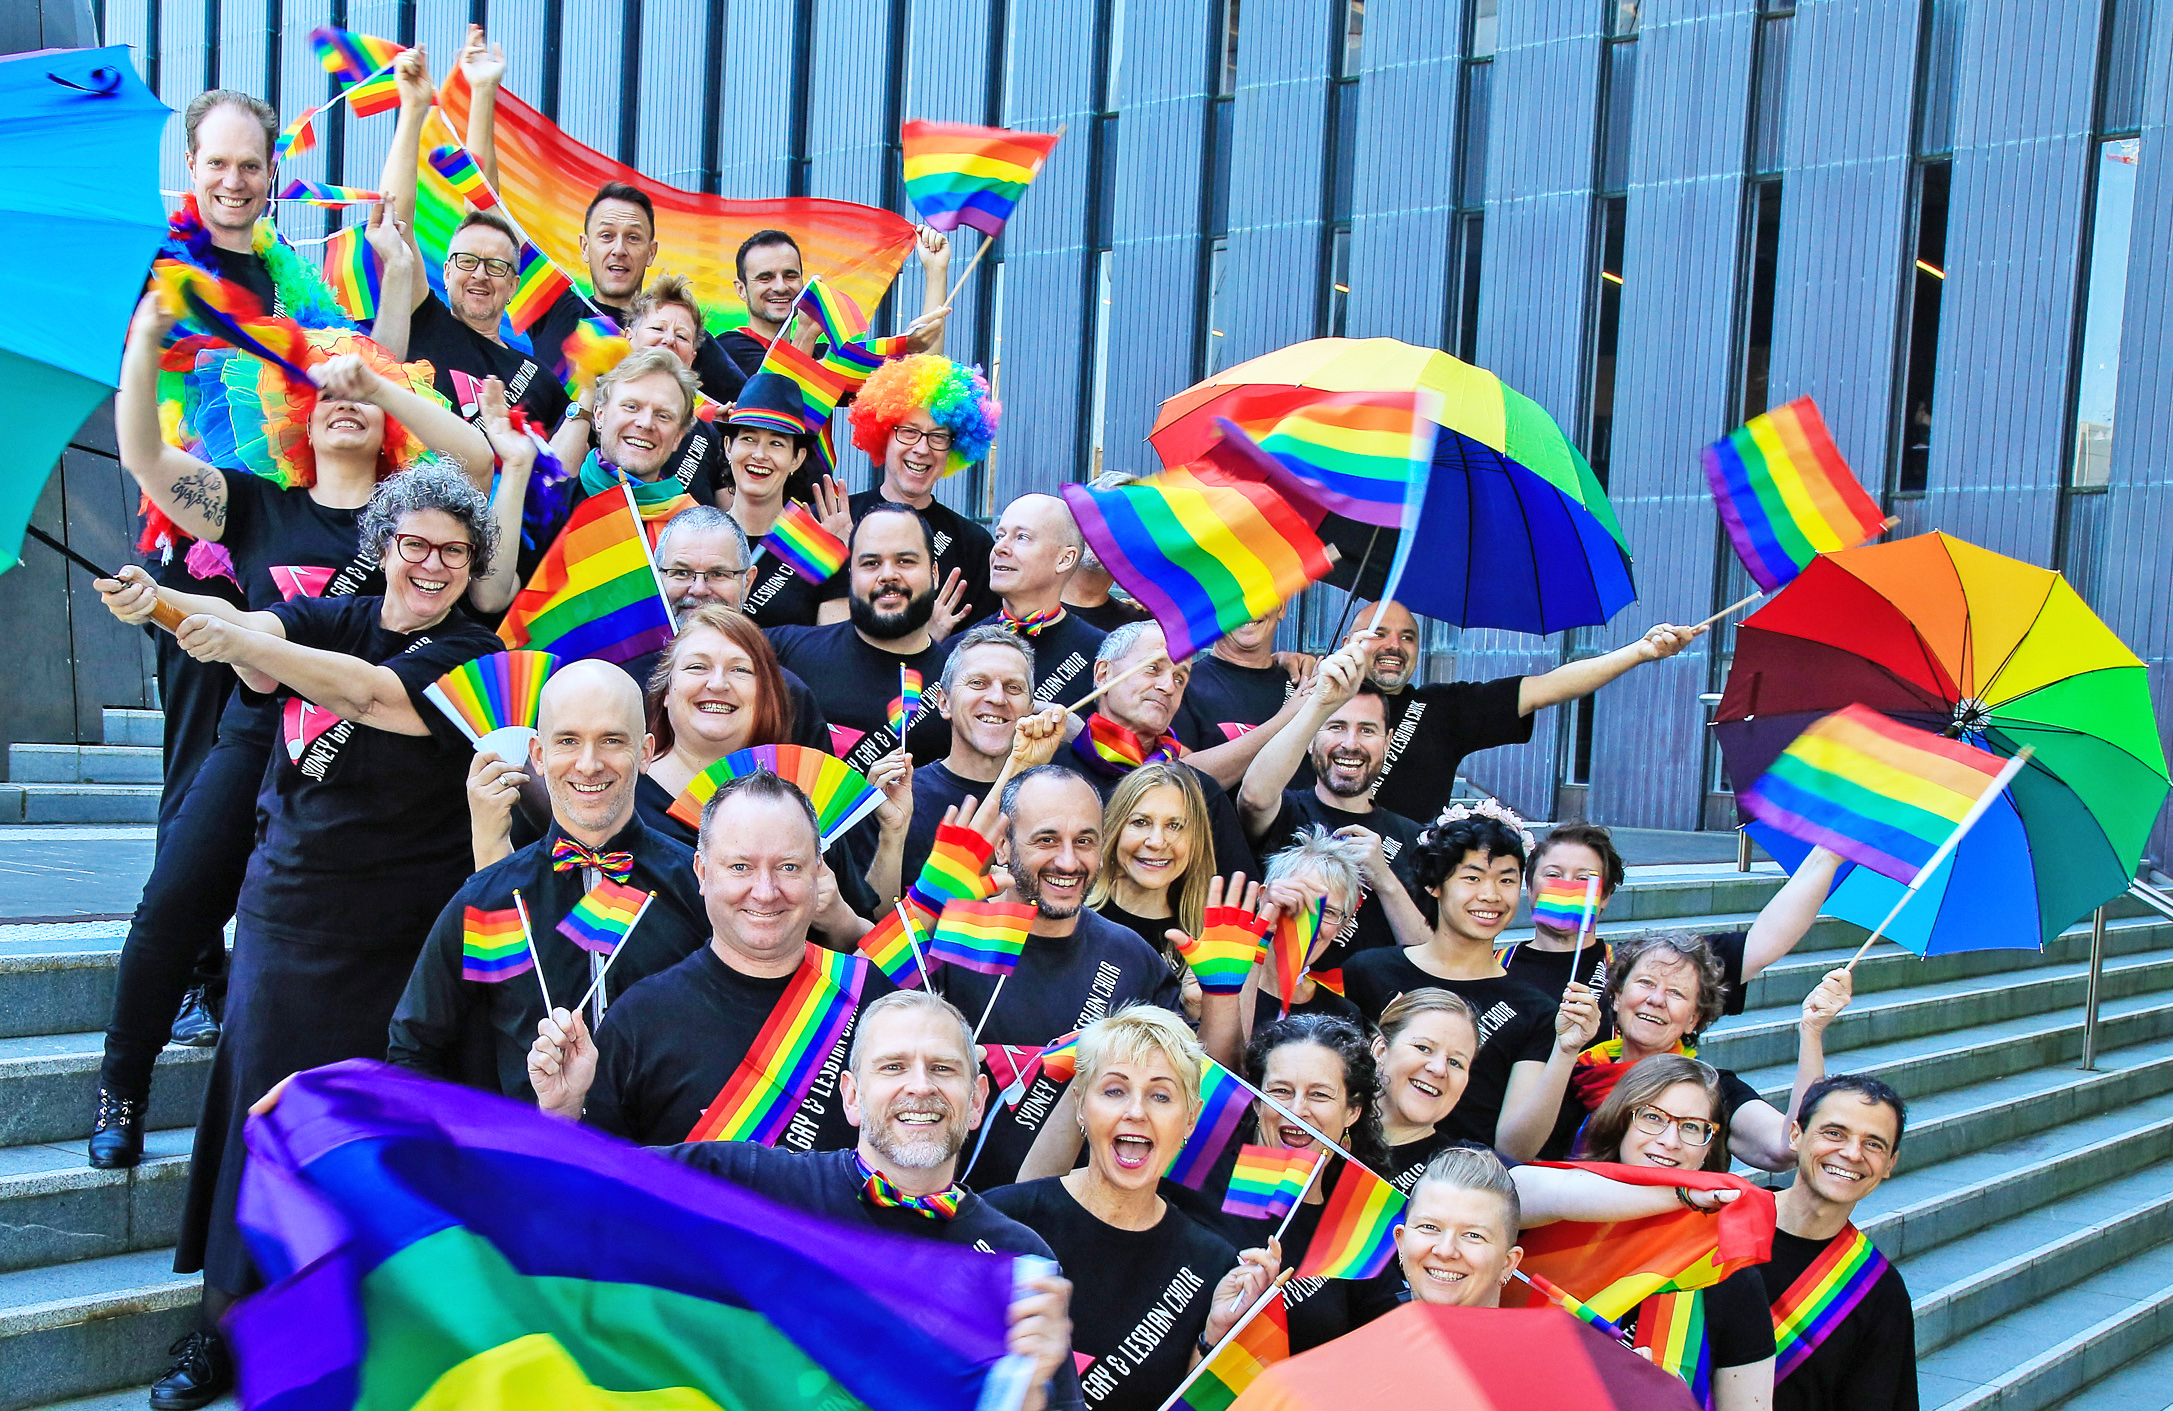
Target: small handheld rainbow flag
(595,594)
(1367,455)
(800,540)
(593,348)
(833,309)
(984,936)
(756,1104)
(908,703)
(318,193)
(300,136)
(888,945)
(1878,792)
(1291,947)
(958,174)
(452,162)
(1574,1306)
(1225,951)
(1785,493)
(361,64)
(1329,980)
(350,267)
(821,386)
(1267,1181)
(603,917)
(1354,1239)
(1566,904)
(957,867)
(1059,1058)
(840,794)
(1223,1100)
(1254,1345)
(493,946)
(541,282)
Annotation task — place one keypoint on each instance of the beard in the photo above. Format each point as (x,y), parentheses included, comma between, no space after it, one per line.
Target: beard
(890,626)
(917,1148)
(1328,781)
(1029,889)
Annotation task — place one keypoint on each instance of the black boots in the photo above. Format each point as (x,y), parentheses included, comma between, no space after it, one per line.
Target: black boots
(202,1373)
(195,1026)
(117,1133)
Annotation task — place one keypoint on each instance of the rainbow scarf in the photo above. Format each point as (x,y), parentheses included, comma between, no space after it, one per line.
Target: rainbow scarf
(1032,623)
(878,1190)
(1108,748)
(1600,1067)
(1822,1297)
(657,500)
(1671,1326)
(758,1101)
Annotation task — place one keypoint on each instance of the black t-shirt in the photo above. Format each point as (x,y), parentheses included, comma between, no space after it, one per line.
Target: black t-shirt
(779,595)
(1063,658)
(699,465)
(960,543)
(463,357)
(720,379)
(935,788)
(1224,829)
(1549,970)
(856,682)
(1139,1298)
(1110,614)
(1516,1025)
(1868,1363)
(671,1044)
(1147,928)
(741,354)
(247,268)
(1368,928)
(1266,1008)
(1407,1160)
(1062,983)
(359,825)
(1224,700)
(1431,729)
(1738,1320)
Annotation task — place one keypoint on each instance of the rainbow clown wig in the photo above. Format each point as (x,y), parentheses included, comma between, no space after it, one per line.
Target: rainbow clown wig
(955,395)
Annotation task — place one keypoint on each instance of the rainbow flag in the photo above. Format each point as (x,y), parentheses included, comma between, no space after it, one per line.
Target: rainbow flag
(1786,495)
(821,387)
(1809,1309)
(1329,980)
(957,868)
(800,540)
(318,193)
(452,162)
(908,703)
(984,936)
(807,1021)
(602,918)
(541,282)
(833,309)
(440,1247)
(1291,947)
(1060,1058)
(1566,904)
(1223,1100)
(361,65)
(493,945)
(493,692)
(1267,1181)
(1616,1266)
(300,136)
(1354,1239)
(888,948)
(350,267)
(1878,792)
(595,594)
(1671,1328)
(958,174)
(1366,455)
(840,794)
(1226,949)
(1203,551)
(1574,1306)
(1260,1343)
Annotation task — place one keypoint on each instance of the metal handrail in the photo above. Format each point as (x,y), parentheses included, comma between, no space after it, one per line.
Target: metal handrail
(2151,897)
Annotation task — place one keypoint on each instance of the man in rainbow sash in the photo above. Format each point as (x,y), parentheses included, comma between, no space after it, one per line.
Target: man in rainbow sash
(1844,1337)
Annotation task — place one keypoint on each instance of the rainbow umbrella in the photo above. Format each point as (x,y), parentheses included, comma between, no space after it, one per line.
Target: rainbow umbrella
(1944,635)
(1517,531)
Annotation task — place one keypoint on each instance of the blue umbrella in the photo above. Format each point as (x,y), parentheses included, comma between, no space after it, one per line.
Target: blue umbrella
(79,155)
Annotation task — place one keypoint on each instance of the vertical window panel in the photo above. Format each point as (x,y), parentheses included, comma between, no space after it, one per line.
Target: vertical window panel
(1770,107)
(2105,295)
(1614,217)
(1923,359)
(1758,320)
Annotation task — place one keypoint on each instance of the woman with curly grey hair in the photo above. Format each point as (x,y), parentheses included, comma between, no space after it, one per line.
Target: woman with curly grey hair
(363,823)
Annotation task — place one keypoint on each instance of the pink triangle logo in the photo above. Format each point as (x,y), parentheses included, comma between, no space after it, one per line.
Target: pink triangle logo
(467,391)
(301,724)
(843,738)
(300,580)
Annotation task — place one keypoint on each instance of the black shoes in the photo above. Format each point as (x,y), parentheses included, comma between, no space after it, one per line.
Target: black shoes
(195,1026)
(202,1373)
(117,1134)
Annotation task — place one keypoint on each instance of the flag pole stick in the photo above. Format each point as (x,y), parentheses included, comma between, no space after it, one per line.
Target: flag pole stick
(1350,603)
(1977,810)
(1124,675)
(1275,1287)
(535,961)
(641,532)
(613,958)
(1591,923)
(912,938)
(990,1007)
(987,243)
(1292,1213)
(1732,607)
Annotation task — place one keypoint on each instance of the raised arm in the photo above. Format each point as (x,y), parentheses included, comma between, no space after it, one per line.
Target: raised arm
(411,72)
(1228,761)
(190,493)
(1260,795)
(399,271)
(348,378)
(1551,1193)
(1757,1131)
(516,454)
(934,249)
(1581,678)
(1533,1099)
(484,66)
(893,775)
(1788,918)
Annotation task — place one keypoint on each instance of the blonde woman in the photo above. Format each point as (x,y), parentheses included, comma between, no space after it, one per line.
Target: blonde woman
(1157,859)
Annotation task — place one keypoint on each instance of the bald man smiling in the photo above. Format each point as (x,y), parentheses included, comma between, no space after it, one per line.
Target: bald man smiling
(590,748)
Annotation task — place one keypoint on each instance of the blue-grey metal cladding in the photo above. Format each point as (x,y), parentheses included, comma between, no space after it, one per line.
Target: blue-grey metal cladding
(589,79)
(1277,170)
(847,147)
(1674,391)
(1402,246)
(756,108)
(674,57)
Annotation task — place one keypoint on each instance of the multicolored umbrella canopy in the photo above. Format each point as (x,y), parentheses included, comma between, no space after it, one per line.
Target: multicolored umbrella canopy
(1517,531)
(1475,1359)
(1944,635)
(79,152)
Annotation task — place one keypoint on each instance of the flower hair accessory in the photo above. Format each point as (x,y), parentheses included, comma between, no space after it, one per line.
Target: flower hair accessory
(1485,808)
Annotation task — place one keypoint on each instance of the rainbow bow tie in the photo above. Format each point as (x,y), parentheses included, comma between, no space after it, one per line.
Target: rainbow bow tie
(1032,624)
(876,1189)
(566,855)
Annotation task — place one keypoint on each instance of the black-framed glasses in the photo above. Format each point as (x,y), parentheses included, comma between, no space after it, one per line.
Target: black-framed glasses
(714,577)
(907,435)
(1695,1131)
(469,264)
(416,549)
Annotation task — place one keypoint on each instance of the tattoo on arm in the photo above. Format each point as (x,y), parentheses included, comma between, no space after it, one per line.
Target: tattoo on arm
(203,491)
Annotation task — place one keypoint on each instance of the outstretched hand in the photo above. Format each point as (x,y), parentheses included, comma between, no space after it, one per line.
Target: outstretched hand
(1666,640)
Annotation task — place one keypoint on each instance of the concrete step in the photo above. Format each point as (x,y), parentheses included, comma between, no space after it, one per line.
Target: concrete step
(1788,980)
(2146,1384)
(133,727)
(49,1085)
(91,1325)
(79,803)
(128,1399)
(2041,1354)
(55,1209)
(85,764)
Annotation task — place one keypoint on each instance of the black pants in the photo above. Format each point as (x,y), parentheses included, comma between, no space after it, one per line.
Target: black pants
(195,695)
(180,922)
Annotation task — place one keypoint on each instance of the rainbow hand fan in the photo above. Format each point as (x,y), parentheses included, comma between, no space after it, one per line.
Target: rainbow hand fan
(494,700)
(841,794)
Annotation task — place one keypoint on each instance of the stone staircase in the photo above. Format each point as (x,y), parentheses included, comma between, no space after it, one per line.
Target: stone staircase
(114,782)
(2032,1213)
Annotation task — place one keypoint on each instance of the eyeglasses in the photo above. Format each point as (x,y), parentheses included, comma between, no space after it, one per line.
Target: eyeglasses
(907,435)
(416,549)
(714,577)
(1695,1131)
(469,264)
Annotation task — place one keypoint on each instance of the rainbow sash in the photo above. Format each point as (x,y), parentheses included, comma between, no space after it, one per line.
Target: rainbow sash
(1671,1326)
(765,1090)
(1822,1297)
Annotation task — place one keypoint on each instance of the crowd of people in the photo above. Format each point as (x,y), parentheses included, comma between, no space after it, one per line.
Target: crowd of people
(333,567)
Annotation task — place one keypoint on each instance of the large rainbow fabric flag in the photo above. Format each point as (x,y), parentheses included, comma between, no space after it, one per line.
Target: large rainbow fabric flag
(439,1247)
(1204,552)
(1786,495)
(984,936)
(1876,791)
(1223,1100)
(595,594)
(1366,454)
(545,180)
(756,1104)
(1613,1267)
(1260,1344)
(1355,1238)
(958,174)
